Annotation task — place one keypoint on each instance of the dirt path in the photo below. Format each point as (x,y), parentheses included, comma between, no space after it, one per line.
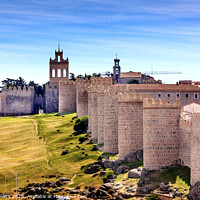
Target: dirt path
(72,180)
(44,141)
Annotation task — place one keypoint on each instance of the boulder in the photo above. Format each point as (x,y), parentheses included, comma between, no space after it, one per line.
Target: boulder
(102,173)
(134,173)
(194,193)
(91,189)
(52,176)
(59,183)
(114,176)
(64,152)
(121,170)
(107,186)
(101,194)
(93,169)
(63,179)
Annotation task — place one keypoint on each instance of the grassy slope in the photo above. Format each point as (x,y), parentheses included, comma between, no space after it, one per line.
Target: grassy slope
(22,151)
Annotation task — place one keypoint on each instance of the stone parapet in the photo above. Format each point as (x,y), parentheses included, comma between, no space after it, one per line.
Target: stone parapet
(161,103)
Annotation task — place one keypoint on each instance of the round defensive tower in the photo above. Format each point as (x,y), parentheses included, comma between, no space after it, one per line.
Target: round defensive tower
(93,112)
(160,132)
(130,125)
(111,118)
(100,109)
(82,97)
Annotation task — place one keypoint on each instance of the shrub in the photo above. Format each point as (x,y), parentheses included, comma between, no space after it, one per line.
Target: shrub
(82,139)
(81,124)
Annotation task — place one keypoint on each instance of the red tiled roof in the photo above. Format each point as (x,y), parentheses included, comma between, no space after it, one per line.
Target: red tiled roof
(163,87)
(130,75)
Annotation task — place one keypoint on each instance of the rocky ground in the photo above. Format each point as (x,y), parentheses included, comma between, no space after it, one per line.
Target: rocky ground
(133,184)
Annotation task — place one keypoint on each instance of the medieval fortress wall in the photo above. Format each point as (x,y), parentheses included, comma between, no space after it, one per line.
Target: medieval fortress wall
(160,132)
(17,101)
(127,121)
(51,98)
(67,96)
(124,118)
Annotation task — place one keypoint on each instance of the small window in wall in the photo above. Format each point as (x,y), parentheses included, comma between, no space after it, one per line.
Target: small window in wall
(159,95)
(58,58)
(53,73)
(64,73)
(59,73)
(177,95)
(186,95)
(168,95)
(196,96)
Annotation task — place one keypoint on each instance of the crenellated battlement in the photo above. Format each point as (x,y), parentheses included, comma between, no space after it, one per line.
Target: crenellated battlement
(132,97)
(68,82)
(82,85)
(17,89)
(161,103)
(101,81)
(82,80)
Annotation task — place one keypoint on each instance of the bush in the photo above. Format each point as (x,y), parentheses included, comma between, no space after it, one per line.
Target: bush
(82,139)
(81,124)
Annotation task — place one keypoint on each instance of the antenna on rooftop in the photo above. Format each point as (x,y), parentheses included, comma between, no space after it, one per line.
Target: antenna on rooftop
(116,55)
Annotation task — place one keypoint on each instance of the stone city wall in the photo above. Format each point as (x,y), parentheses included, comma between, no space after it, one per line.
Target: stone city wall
(130,125)
(195,149)
(39,102)
(185,129)
(17,101)
(111,118)
(82,97)
(100,110)
(93,112)
(51,98)
(160,132)
(67,97)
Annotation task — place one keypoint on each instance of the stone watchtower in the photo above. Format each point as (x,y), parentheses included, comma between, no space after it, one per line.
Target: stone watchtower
(58,68)
(116,70)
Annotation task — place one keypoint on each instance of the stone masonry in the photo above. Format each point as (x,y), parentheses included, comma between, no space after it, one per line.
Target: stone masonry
(82,97)
(67,96)
(160,132)
(130,124)
(17,101)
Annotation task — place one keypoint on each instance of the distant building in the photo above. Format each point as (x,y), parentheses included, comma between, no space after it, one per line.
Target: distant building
(130,77)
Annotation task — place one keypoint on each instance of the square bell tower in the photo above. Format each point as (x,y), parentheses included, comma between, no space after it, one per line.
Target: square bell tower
(58,68)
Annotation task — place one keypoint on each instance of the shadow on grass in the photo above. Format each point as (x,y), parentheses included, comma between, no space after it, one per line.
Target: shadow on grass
(171,174)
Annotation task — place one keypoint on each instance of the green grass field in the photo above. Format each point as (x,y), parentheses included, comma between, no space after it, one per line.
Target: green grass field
(24,151)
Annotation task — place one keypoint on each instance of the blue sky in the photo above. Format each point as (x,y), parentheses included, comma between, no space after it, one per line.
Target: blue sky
(163,35)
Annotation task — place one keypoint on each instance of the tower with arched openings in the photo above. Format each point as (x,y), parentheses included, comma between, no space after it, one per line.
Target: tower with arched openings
(58,68)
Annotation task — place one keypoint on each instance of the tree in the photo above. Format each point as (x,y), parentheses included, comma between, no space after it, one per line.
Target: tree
(72,77)
(133,81)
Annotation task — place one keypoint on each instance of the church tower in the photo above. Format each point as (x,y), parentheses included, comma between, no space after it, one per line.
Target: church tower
(58,68)
(116,70)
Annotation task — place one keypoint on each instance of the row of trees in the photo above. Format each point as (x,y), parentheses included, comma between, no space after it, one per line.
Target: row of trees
(72,76)
(21,83)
